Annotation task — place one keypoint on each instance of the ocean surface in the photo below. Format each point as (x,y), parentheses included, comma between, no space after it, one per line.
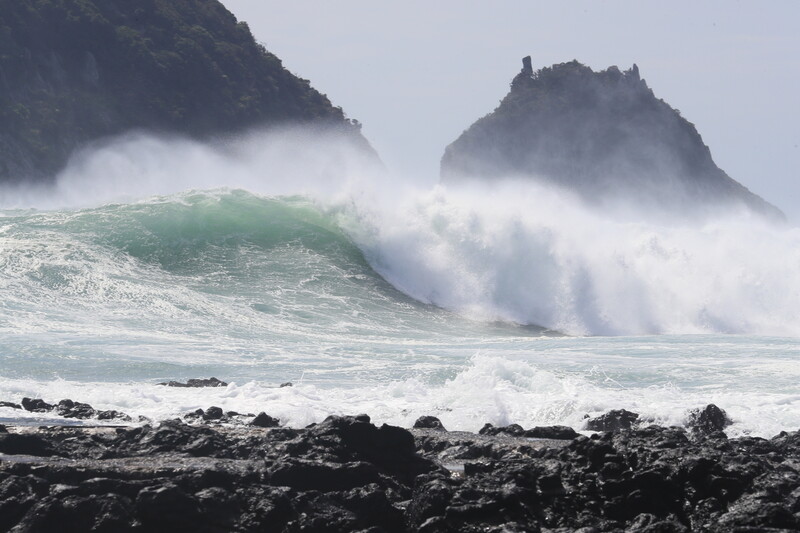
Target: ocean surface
(161,259)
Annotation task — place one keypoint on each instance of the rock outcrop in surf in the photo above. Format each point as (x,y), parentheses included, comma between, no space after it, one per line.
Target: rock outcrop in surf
(603,135)
(73,71)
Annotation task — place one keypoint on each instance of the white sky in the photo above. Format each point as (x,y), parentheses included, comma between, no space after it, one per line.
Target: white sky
(417,73)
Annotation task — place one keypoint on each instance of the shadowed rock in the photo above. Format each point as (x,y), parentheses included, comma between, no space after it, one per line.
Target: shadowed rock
(213,413)
(36,405)
(708,420)
(514,430)
(197,383)
(346,474)
(263,420)
(552,432)
(70,409)
(429,422)
(613,420)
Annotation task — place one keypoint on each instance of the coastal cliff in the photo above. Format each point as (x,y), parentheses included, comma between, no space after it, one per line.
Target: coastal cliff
(73,71)
(603,135)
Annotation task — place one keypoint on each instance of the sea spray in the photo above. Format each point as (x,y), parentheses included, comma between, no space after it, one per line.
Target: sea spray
(523,253)
(502,387)
(376,295)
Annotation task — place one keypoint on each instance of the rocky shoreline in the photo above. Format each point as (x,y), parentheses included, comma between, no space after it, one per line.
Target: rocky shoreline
(214,471)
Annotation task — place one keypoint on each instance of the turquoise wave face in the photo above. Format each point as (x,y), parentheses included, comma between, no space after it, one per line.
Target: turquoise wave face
(99,304)
(197,278)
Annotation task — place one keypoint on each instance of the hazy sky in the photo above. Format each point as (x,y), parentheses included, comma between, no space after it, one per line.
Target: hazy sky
(417,73)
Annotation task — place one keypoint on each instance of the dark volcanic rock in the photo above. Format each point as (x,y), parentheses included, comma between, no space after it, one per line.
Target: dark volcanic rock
(346,474)
(70,409)
(11,405)
(552,432)
(429,422)
(708,420)
(210,382)
(167,507)
(263,420)
(602,135)
(14,444)
(514,430)
(613,420)
(36,405)
(213,413)
(113,415)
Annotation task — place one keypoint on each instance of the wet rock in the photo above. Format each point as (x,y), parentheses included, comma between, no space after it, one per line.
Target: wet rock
(708,420)
(167,507)
(25,444)
(613,420)
(390,448)
(302,474)
(174,436)
(36,405)
(210,382)
(71,409)
(429,422)
(431,497)
(197,414)
(17,495)
(649,523)
(346,474)
(113,415)
(263,420)
(11,405)
(287,384)
(213,413)
(514,430)
(552,432)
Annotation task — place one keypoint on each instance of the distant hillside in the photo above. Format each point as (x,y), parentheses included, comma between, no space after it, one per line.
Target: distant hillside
(72,71)
(602,134)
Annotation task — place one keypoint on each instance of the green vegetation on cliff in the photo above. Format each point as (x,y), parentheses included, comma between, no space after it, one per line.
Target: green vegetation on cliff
(601,134)
(72,71)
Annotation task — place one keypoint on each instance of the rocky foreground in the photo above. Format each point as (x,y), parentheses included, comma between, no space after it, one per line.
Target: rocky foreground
(210,473)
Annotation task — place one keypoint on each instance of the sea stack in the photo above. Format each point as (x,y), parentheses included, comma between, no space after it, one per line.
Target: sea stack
(74,71)
(603,135)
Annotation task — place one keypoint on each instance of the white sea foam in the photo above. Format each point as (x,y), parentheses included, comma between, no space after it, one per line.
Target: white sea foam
(99,303)
(522,253)
(489,389)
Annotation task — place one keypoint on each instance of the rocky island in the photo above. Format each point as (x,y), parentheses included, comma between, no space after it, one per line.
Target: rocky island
(603,135)
(74,71)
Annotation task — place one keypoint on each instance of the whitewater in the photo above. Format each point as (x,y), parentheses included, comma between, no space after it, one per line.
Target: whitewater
(289,257)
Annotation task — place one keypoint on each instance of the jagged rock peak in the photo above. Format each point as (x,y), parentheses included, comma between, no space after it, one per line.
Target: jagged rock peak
(603,135)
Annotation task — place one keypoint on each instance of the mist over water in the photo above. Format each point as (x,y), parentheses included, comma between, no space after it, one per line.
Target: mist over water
(522,253)
(291,256)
